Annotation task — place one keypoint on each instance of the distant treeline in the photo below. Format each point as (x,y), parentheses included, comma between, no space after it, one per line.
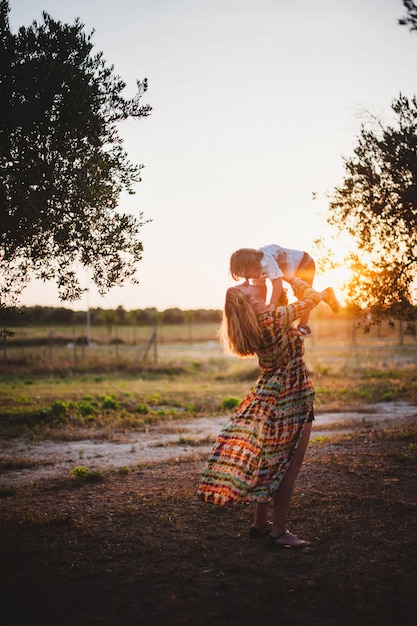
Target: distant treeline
(47,316)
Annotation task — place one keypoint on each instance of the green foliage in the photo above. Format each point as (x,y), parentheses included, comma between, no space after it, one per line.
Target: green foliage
(371,369)
(230,403)
(62,316)
(143,408)
(58,409)
(410,18)
(377,206)
(165,412)
(108,402)
(62,164)
(86,408)
(82,473)
(318,439)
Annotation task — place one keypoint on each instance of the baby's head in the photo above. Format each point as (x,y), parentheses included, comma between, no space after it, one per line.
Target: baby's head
(245,263)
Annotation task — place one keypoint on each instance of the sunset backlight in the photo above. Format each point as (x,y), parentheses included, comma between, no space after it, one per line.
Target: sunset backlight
(254,107)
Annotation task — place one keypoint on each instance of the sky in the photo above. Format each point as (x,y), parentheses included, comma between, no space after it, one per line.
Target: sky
(255,105)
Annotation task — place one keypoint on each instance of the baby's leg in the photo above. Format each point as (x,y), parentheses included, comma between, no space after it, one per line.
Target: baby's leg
(306,271)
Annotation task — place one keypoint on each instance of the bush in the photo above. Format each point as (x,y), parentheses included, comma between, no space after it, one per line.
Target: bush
(83,473)
(230,403)
(109,403)
(58,409)
(85,408)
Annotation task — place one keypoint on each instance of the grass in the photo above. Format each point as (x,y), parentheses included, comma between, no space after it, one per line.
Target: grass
(77,548)
(10,463)
(44,397)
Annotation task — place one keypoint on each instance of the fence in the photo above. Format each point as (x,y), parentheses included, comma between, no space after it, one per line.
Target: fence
(63,347)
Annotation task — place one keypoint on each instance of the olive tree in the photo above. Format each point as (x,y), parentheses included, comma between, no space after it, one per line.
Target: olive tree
(377,205)
(410,18)
(63,167)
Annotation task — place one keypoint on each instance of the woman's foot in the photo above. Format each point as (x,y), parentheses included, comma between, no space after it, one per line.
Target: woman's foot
(287,540)
(262,531)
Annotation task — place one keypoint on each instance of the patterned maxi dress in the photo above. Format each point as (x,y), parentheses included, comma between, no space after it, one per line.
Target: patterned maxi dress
(254,449)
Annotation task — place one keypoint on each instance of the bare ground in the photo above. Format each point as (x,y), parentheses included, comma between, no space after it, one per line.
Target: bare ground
(138,548)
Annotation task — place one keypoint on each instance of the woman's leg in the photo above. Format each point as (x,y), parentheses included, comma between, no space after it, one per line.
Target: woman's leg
(282,497)
(261,515)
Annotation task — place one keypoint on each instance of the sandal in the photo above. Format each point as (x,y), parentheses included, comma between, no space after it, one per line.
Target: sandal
(273,542)
(263,531)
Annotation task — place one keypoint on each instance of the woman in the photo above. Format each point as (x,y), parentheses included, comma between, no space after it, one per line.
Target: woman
(259,452)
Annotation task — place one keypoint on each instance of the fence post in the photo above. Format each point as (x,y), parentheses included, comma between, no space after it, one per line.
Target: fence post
(401,333)
(155,346)
(4,342)
(152,341)
(74,347)
(4,334)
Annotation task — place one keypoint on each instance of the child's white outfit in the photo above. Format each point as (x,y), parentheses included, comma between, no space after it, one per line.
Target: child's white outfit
(298,263)
(273,255)
(271,258)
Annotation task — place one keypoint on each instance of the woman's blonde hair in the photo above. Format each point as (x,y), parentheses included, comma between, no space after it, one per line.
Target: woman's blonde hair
(243,261)
(240,332)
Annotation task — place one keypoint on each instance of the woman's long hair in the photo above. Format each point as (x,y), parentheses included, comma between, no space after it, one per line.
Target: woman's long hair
(240,332)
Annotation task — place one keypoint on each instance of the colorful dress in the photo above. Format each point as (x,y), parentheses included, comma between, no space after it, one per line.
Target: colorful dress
(254,449)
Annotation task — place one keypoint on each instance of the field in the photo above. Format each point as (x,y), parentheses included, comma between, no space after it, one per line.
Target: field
(132,546)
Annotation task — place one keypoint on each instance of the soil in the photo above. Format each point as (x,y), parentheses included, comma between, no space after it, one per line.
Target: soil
(28,459)
(133,548)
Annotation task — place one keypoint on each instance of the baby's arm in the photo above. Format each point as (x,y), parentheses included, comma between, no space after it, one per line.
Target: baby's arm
(308,298)
(276,290)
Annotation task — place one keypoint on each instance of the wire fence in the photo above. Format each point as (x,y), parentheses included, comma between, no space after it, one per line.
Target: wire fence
(63,347)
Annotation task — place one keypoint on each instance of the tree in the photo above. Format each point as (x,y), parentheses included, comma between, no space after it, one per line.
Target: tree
(62,163)
(377,206)
(411,18)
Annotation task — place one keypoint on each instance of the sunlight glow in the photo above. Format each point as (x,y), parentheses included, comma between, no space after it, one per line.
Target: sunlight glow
(253,112)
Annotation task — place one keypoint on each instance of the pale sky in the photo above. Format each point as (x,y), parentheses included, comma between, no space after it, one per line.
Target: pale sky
(254,106)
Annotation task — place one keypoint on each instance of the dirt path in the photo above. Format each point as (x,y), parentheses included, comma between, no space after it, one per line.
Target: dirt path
(33,460)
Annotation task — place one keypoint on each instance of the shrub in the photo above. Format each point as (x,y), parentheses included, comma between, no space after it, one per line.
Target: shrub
(80,472)
(143,408)
(85,408)
(58,409)
(108,402)
(230,403)
(83,473)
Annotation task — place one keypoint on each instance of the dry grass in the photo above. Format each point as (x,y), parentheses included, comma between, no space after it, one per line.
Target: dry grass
(41,396)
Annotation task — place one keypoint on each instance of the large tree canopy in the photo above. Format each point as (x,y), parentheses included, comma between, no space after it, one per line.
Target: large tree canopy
(377,206)
(62,164)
